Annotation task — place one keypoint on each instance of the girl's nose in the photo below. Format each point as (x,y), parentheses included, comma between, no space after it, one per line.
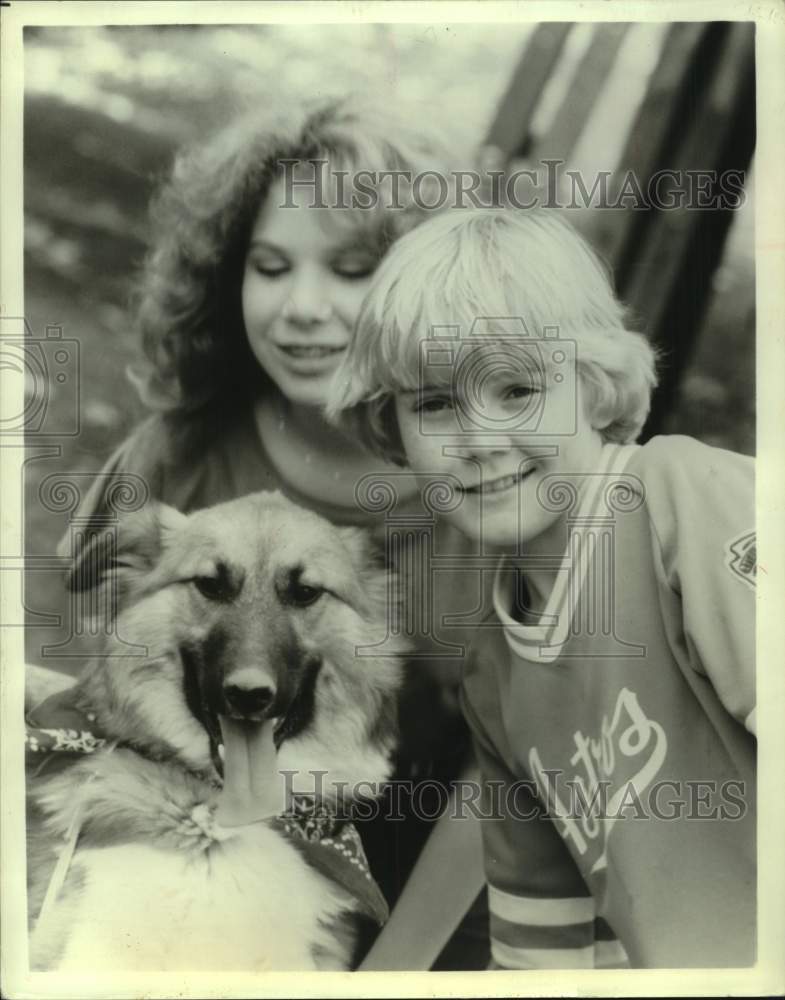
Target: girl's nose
(308,303)
(479,446)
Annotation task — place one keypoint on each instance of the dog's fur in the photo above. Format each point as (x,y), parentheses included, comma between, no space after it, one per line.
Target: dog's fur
(255,587)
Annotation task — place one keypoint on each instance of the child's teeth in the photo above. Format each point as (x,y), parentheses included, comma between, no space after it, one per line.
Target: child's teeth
(499,484)
(312,352)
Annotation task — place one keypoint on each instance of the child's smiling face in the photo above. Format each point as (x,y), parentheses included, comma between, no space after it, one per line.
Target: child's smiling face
(502,460)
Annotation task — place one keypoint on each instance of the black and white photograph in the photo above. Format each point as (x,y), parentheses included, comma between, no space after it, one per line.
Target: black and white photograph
(390,484)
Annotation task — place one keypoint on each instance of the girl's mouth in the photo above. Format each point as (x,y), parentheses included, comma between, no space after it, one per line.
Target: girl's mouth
(309,352)
(499,485)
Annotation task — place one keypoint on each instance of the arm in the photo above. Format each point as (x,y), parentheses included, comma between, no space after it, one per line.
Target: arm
(701,502)
(41,683)
(442,886)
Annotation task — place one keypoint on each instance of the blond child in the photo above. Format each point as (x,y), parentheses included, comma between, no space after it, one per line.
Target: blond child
(610,688)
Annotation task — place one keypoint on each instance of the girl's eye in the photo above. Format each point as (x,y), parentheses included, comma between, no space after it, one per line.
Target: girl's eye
(361,267)
(434,404)
(521,391)
(270,268)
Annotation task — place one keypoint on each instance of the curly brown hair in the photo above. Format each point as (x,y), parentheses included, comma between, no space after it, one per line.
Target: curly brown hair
(188,303)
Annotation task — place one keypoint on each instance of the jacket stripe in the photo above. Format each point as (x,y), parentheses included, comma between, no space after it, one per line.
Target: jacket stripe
(542,958)
(538,911)
(532,936)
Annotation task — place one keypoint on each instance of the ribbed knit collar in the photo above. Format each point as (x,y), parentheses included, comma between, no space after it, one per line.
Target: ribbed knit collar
(543,642)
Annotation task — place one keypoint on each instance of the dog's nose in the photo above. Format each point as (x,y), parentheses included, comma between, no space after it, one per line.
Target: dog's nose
(248,701)
(249,693)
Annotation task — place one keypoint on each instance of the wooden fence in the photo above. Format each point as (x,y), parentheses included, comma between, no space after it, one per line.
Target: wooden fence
(697,119)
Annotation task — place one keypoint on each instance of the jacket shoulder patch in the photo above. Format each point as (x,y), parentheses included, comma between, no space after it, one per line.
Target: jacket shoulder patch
(741,557)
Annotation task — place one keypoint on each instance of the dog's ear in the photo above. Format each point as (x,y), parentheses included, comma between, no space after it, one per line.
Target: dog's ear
(373,578)
(131,545)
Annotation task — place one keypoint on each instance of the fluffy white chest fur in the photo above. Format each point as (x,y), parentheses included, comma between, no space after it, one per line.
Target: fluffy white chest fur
(194,896)
(140,908)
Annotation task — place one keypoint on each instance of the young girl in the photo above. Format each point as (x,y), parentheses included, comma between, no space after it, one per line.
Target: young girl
(245,309)
(610,689)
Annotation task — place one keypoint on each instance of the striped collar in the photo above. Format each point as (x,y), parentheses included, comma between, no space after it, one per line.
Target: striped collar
(543,642)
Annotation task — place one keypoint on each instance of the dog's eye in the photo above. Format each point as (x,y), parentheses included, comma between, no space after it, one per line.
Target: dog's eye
(301,595)
(212,587)
(293,590)
(223,584)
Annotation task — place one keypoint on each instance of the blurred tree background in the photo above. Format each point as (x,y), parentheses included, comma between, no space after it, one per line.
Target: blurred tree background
(105,110)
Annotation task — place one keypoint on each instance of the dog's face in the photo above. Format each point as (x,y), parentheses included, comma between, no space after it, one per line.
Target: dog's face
(255,610)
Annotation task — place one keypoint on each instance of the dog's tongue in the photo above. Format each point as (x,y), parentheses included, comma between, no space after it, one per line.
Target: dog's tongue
(252,789)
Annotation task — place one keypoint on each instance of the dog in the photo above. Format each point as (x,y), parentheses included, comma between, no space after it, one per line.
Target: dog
(256,617)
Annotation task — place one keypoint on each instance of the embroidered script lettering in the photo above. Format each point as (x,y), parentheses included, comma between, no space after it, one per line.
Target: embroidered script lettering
(602,786)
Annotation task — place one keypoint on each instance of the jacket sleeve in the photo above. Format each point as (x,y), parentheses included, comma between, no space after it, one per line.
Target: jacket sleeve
(541,913)
(702,507)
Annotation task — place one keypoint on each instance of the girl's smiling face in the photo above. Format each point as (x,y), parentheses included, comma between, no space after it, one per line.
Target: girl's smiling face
(306,274)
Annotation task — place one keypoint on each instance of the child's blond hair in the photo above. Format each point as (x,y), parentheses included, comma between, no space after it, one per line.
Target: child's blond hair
(466,265)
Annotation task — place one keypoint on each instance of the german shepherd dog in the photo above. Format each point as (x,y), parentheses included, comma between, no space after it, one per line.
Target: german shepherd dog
(191,848)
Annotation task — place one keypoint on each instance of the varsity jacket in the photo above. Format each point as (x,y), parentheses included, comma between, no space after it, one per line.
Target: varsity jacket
(616,735)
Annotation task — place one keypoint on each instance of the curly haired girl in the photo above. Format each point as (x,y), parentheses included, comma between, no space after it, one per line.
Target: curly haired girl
(246,303)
